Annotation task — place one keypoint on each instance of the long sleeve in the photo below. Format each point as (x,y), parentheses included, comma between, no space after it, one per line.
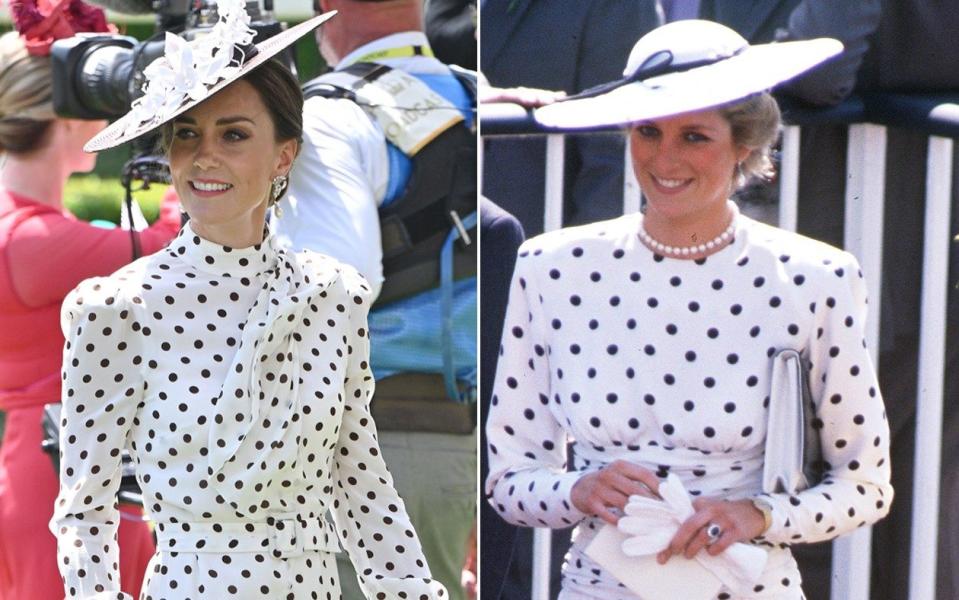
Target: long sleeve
(49,254)
(371,519)
(851,419)
(527,484)
(101,391)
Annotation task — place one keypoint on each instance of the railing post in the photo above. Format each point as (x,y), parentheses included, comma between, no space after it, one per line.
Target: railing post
(865,202)
(542,539)
(789,179)
(865,199)
(929,400)
(552,219)
(553,200)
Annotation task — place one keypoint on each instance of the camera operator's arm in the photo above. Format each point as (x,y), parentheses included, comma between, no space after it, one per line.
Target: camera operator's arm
(51,251)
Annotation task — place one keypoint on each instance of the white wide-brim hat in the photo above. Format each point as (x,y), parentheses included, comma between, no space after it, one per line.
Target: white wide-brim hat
(190,72)
(683,67)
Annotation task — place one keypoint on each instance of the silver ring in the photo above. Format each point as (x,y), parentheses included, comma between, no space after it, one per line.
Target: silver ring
(713,532)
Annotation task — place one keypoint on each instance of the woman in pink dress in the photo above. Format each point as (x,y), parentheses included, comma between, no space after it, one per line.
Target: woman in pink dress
(44,253)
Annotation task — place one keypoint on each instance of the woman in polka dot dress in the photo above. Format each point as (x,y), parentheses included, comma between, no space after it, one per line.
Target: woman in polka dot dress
(238,375)
(646,342)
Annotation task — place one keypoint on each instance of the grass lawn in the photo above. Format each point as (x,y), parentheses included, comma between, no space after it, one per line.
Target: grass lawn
(91,197)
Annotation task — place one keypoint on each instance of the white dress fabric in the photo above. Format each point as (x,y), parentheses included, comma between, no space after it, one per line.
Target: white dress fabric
(238,378)
(666,363)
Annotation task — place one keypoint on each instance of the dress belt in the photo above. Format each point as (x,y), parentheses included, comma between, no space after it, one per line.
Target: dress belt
(283,535)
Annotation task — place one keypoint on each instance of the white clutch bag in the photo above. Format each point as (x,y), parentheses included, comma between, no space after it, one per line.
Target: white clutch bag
(793,460)
(678,578)
(628,551)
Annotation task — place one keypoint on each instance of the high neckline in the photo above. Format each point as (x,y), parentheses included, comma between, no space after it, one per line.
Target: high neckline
(217,259)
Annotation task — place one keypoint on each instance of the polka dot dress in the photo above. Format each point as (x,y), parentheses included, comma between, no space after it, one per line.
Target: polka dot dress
(666,363)
(239,380)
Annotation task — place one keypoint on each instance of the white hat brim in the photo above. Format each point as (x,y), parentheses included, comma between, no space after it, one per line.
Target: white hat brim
(754,70)
(121,130)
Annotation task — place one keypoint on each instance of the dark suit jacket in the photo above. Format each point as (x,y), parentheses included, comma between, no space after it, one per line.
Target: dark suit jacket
(755,20)
(451,28)
(500,235)
(566,45)
(914,48)
(763,21)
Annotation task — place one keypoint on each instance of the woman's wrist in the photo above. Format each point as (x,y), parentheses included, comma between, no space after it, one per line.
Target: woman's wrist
(764,507)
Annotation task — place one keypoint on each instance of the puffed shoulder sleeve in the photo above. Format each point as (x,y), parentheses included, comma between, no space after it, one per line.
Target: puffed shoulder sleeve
(527,483)
(850,418)
(370,516)
(101,391)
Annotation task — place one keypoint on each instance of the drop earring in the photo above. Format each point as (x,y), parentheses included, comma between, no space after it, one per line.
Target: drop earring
(277,186)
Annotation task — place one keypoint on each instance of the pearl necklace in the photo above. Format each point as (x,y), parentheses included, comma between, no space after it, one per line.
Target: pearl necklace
(685,251)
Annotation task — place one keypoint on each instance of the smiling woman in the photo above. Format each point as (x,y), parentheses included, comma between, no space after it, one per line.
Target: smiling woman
(649,340)
(246,134)
(685,166)
(226,153)
(690,164)
(237,372)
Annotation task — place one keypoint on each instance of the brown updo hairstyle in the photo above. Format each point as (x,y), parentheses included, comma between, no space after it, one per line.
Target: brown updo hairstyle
(26,96)
(280,93)
(755,124)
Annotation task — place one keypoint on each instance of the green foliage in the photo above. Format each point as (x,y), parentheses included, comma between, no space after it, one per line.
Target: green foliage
(91,197)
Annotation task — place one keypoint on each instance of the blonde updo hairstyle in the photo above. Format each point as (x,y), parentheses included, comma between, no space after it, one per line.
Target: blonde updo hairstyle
(26,96)
(755,124)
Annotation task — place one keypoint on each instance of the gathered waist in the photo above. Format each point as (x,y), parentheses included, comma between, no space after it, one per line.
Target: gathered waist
(282,535)
(732,474)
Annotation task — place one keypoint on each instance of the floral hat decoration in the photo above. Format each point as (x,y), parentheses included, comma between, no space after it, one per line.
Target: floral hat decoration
(42,22)
(189,72)
(686,66)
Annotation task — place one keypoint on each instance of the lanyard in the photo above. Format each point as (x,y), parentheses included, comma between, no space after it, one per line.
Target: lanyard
(400,52)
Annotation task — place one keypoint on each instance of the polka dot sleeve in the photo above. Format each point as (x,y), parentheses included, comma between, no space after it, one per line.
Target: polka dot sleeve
(100,396)
(849,415)
(527,484)
(370,516)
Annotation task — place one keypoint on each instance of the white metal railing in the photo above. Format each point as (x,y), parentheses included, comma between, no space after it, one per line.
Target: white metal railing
(863,234)
(932,344)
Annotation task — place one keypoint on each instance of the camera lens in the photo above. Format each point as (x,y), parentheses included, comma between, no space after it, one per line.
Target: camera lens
(104,78)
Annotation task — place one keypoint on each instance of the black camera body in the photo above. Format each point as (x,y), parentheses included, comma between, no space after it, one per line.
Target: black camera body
(92,75)
(97,76)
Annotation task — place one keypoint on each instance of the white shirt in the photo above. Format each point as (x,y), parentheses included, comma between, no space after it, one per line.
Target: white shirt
(340,177)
